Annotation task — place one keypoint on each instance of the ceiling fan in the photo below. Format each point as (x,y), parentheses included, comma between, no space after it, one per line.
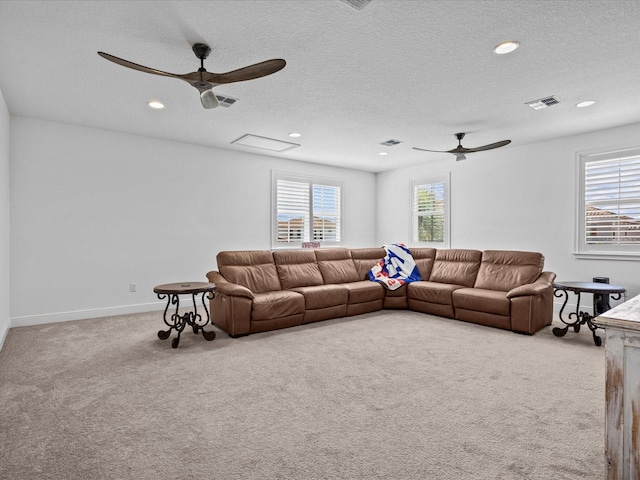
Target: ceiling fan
(205,81)
(460,151)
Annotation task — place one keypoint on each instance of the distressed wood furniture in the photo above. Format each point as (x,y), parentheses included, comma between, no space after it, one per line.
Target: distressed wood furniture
(622,420)
(598,290)
(177,322)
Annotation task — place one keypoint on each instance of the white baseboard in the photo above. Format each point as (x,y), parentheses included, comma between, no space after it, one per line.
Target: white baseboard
(85,314)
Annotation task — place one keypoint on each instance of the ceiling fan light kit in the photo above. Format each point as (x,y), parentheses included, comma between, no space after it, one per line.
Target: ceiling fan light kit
(205,81)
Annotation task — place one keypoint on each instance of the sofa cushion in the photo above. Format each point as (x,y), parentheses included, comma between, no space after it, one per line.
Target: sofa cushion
(297,268)
(432,292)
(253,269)
(323,296)
(503,270)
(272,305)
(365,258)
(481,300)
(424,258)
(456,267)
(336,266)
(364,291)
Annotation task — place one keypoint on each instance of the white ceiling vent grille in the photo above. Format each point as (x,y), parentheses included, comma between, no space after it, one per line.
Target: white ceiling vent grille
(357,4)
(264,143)
(391,143)
(543,103)
(225,101)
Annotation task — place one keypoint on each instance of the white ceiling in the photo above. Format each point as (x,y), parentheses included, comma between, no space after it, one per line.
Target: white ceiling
(415,71)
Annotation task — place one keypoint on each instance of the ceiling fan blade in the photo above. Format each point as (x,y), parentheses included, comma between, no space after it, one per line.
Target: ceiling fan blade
(435,151)
(459,150)
(491,146)
(209,99)
(135,66)
(257,70)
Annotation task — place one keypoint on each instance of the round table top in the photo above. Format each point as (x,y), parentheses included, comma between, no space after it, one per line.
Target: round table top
(185,288)
(589,287)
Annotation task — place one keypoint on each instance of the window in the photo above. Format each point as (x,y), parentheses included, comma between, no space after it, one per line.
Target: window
(430,212)
(609,204)
(306,210)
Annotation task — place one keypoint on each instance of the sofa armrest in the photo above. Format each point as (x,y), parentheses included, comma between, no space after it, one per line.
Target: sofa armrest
(227,288)
(234,290)
(543,283)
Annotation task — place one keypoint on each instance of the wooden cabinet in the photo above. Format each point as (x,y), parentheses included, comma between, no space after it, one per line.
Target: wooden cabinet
(622,420)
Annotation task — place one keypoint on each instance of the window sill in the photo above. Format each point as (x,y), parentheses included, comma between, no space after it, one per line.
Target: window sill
(634,256)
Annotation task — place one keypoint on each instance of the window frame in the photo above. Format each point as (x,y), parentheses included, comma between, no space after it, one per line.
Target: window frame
(584,250)
(413,234)
(311,181)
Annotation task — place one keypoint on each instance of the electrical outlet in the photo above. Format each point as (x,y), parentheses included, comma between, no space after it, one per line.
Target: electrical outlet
(132,287)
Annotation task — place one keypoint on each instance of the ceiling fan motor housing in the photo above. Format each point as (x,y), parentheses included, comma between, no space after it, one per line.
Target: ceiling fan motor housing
(201,50)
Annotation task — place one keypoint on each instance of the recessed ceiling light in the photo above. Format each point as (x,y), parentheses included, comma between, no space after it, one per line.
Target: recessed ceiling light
(506,47)
(155,104)
(383,153)
(295,134)
(586,103)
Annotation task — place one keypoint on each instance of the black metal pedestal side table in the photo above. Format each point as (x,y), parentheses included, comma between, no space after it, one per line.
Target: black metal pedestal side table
(177,322)
(599,290)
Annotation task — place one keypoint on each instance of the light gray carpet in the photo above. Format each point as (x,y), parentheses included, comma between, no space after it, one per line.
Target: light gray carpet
(390,395)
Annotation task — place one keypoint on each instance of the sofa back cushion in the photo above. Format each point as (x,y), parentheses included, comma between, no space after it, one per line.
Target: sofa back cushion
(503,269)
(424,258)
(365,258)
(297,268)
(456,266)
(336,266)
(254,269)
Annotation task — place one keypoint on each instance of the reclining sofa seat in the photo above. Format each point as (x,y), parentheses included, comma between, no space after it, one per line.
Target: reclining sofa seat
(251,299)
(257,291)
(452,270)
(488,302)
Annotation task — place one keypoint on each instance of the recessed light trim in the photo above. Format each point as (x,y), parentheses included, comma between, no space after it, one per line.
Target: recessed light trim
(295,134)
(586,103)
(156,104)
(506,47)
(383,153)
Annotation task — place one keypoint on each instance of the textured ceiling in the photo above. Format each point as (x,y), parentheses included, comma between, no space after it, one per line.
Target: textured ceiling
(415,71)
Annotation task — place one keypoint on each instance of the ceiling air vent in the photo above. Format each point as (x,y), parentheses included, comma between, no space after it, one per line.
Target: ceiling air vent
(357,4)
(543,103)
(391,143)
(225,101)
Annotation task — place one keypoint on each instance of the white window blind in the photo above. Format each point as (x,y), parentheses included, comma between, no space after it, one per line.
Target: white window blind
(306,209)
(326,213)
(430,212)
(292,211)
(612,201)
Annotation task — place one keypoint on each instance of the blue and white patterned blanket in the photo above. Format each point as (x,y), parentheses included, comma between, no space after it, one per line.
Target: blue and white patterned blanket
(396,268)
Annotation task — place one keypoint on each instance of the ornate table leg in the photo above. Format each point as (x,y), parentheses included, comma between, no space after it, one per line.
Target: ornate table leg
(589,319)
(195,318)
(177,323)
(560,332)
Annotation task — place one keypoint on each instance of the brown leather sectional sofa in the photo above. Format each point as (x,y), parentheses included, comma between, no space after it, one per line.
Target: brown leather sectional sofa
(262,290)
